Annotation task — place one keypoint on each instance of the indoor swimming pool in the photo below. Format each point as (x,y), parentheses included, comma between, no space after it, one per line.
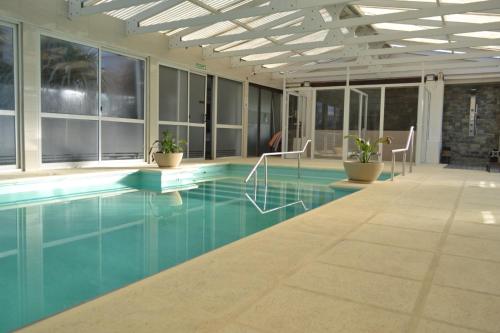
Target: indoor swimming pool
(68,241)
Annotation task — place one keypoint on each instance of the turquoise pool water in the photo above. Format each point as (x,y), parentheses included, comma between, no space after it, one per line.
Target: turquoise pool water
(69,241)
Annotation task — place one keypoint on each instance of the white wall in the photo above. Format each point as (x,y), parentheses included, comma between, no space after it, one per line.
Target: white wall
(36,17)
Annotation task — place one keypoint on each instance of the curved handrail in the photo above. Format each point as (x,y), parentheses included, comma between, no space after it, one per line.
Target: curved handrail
(265,155)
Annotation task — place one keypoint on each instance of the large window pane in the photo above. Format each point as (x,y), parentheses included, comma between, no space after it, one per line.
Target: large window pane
(229,102)
(196,142)
(197,98)
(122,141)
(7,140)
(178,132)
(69,74)
(253,121)
(173,92)
(228,142)
(400,113)
(69,140)
(7,82)
(122,86)
(329,123)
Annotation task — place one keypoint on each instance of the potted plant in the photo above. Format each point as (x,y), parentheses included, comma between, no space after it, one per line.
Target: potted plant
(169,152)
(362,169)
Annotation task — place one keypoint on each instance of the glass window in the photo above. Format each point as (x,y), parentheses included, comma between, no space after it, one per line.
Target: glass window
(178,132)
(122,141)
(7,140)
(329,123)
(400,113)
(229,102)
(69,73)
(228,142)
(122,86)
(253,121)
(69,140)
(197,98)
(7,80)
(196,142)
(173,94)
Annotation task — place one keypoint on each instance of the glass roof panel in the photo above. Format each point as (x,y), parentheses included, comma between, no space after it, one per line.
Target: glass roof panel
(427,40)
(482,34)
(210,31)
(314,37)
(262,56)
(468,18)
(182,11)
(400,26)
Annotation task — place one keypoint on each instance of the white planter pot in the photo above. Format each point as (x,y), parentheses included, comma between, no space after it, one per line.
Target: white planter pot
(363,172)
(168,160)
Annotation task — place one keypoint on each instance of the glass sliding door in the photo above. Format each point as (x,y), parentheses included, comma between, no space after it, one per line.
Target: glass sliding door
(92,103)
(182,102)
(69,101)
(122,107)
(229,125)
(400,113)
(8,100)
(329,122)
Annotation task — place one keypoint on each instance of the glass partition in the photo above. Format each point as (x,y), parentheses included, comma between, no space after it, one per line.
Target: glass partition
(7,96)
(229,117)
(182,107)
(329,122)
(83,120)
(401,110)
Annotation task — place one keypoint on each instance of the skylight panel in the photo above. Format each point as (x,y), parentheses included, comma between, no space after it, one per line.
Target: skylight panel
(248,45)
(482,34)
(326,15)
(220,4)
(427,40)
(400,26)
(269,18)
(321,50)
(274,65)
(318,36)
(210,31)
(488,48)
(449,51)
(372,11)
(263,56)
(289,23)
(126,13)
(468,18)
(182,11)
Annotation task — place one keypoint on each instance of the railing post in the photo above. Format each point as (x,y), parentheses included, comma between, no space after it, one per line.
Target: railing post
(392,166)
(411,151)
(265,166)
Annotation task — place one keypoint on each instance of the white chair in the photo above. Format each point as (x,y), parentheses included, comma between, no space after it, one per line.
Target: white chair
(409,145)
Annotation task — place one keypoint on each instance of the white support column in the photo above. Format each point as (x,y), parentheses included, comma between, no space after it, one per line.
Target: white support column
(381,123)
(313,122)
(30,95)
(419,138)
(284,118)
(347,97)
(215,89)
(436,89)
(153,104)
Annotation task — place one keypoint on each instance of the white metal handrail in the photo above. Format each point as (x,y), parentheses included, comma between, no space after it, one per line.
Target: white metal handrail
(264,157)
(409,145)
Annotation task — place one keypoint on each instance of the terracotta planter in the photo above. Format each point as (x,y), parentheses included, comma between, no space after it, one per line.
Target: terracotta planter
(363,172)
(171,160)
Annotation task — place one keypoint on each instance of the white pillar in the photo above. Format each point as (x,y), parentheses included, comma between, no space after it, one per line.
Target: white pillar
(434,141)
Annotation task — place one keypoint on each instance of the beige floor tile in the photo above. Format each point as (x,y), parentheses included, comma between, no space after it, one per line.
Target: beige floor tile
(291,310)
(410,209)
(465,273)
(408,221)
(464,308)
(472,247)
(321,225)
(486,214)
(415,239)
(364,287)
(478,230)
(236,328)
(389,260)
(431,326)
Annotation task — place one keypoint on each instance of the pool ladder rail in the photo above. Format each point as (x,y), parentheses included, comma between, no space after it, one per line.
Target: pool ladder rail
(409,146)
(254,171)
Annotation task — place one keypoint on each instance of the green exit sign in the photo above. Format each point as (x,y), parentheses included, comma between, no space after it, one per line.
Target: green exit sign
(202,67)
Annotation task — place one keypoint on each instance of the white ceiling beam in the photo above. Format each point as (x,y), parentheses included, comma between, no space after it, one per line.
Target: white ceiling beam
(390,69)
(377,52)
(274,7)
(349,22)
(393,61)
(105,7)
(402,4)
(393,36)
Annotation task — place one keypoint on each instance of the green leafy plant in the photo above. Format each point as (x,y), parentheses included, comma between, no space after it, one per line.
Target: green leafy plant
(168,145)
(366,149)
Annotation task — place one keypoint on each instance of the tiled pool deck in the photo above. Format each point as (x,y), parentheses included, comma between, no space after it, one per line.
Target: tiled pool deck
(421,254)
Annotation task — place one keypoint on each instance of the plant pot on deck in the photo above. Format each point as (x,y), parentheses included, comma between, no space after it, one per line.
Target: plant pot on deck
(363,172)
(171,160)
